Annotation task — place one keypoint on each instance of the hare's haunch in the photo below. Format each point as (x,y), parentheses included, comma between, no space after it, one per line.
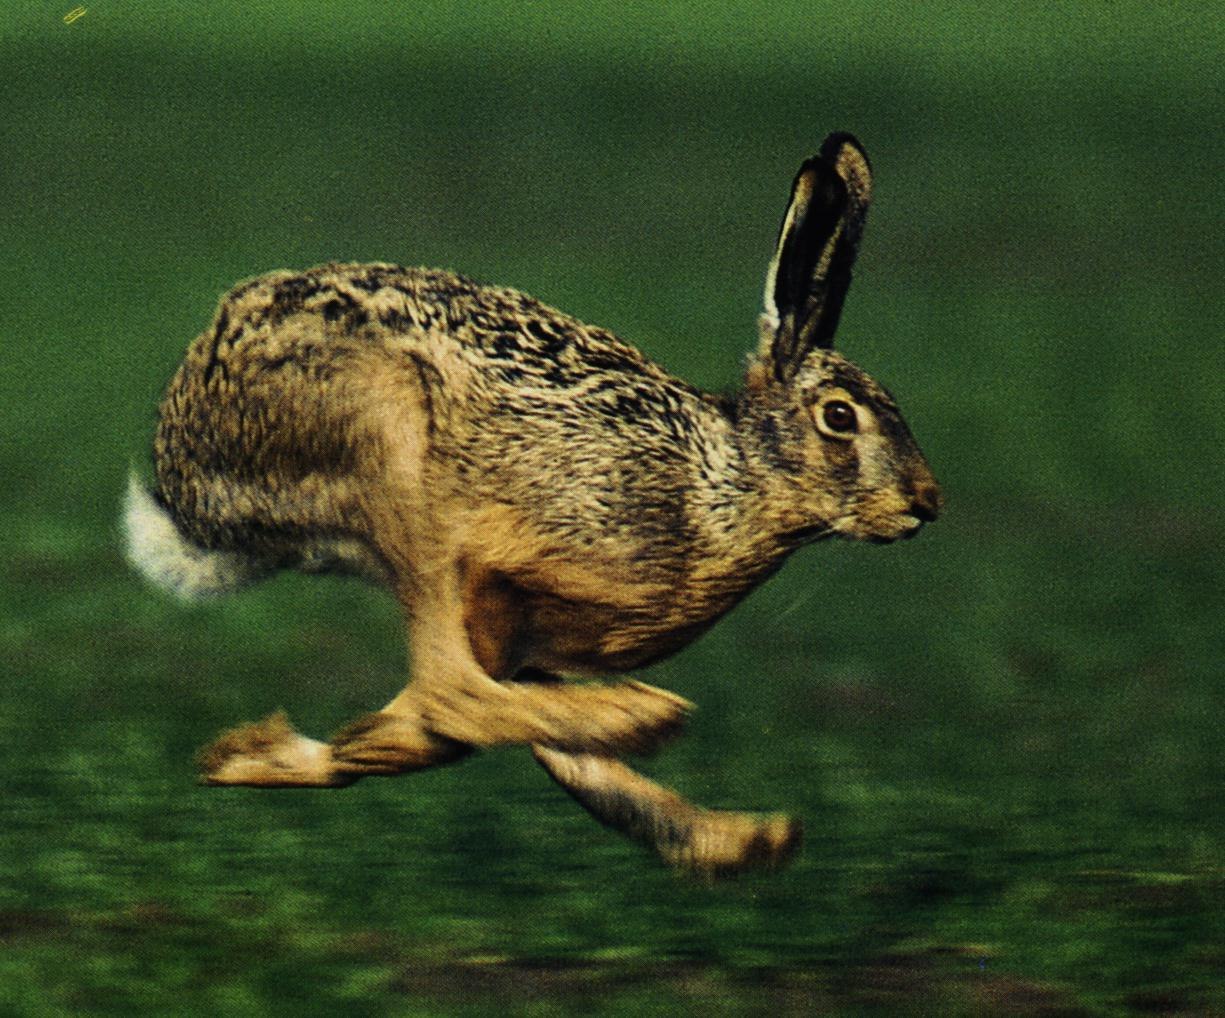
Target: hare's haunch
(541,498)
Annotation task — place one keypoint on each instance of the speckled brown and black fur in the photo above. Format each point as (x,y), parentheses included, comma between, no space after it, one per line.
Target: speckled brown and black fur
(541,498)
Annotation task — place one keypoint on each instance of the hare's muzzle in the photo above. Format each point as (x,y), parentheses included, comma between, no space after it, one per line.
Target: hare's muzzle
(926,502)
(925,505)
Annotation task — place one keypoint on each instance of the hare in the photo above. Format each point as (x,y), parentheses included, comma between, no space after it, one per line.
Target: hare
(541,498)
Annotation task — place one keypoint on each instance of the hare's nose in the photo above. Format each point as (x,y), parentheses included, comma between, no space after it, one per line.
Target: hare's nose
(926,502)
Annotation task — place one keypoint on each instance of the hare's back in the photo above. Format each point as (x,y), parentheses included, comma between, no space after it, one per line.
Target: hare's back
(285,384)
(500,330)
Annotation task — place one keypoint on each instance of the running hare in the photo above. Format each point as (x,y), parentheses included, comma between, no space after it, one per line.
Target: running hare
(541,499)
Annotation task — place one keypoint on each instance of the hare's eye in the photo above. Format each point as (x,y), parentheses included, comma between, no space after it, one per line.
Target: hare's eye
(839,417)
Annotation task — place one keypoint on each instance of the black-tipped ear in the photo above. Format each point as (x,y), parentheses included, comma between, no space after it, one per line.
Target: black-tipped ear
(811,270)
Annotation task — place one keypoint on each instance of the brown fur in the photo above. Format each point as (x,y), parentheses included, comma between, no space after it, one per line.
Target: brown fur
(713,842)
(540,497)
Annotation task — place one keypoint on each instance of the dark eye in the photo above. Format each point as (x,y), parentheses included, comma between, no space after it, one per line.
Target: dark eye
(839,416)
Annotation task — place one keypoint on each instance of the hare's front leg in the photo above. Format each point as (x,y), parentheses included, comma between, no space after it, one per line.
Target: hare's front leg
(705,841)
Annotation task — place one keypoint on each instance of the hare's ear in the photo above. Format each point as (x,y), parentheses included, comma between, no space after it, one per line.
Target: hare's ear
(817,244)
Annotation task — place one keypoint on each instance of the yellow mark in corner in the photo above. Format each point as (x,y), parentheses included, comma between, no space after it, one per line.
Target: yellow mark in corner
(72,15)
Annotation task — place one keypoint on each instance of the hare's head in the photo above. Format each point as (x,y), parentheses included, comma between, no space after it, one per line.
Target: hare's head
(830,440)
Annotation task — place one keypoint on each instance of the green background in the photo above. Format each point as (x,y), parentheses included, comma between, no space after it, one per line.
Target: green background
(1004,738)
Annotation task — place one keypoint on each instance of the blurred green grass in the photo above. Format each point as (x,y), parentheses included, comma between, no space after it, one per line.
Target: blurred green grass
(1004,737)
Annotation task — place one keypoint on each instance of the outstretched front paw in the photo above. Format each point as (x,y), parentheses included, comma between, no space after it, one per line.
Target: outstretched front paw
(386,744)
(269,754)
(721,843)
(708,842)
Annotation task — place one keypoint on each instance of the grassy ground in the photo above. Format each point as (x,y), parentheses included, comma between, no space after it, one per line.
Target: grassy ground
(1004,737)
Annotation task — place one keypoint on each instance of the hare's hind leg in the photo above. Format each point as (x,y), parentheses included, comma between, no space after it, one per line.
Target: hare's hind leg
(268,754)
(464,706)
(459,653)
(272,754)
(452,705)
(614,718)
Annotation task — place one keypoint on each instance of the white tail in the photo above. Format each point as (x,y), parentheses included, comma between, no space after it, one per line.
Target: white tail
(156,547)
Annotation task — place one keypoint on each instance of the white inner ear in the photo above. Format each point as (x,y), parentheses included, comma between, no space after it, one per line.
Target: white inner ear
(769,307)
(768,322)
(771,317)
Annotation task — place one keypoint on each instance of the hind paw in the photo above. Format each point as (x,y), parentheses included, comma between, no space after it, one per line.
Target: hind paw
(269,754)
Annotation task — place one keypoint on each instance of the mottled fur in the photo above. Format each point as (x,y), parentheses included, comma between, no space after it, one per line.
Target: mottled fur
(541,498)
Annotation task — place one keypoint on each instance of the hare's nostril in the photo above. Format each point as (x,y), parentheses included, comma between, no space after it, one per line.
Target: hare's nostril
(926,502)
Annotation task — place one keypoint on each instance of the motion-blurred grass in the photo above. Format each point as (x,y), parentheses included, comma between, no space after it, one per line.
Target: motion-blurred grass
(1004,737)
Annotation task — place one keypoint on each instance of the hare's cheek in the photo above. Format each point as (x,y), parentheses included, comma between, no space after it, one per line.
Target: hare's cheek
(877,471)
(842,466)
(880,475)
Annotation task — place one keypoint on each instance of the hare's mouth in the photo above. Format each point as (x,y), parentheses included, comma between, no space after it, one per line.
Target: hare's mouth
(908,527)
(805,535)
(877,527)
